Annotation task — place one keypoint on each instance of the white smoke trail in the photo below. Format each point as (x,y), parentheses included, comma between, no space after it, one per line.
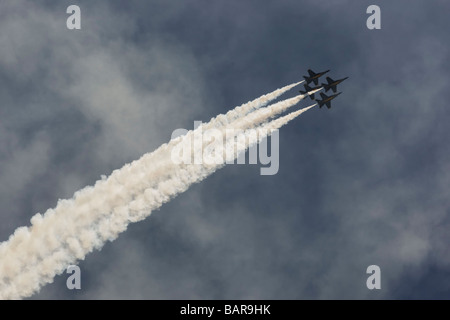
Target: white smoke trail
(252,119)
(159,156)
(33,256)
(248,107)
(244,109)
(262,115)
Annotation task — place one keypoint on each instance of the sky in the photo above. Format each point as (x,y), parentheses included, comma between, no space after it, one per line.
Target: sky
(366,182)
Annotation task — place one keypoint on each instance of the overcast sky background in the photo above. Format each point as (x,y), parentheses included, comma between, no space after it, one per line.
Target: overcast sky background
(366,182)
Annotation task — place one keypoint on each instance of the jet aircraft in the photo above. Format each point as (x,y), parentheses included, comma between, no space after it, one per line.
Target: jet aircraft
(332,84)
(326,100)
(314,77)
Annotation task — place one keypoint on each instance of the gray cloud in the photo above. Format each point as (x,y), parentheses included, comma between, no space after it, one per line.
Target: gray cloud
(363,183)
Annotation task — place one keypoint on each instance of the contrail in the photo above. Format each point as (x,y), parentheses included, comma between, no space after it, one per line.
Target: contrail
(33,256)
(248,107)
(159,156)
(271,111)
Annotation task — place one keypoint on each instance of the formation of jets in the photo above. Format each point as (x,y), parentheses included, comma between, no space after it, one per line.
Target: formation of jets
(332,84)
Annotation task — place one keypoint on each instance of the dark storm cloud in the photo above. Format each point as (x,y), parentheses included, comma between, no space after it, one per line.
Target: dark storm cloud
(363,183)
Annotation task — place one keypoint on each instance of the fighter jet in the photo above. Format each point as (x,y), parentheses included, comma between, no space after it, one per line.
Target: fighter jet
(332,84)
(326,100)
(308,89)
(314,76)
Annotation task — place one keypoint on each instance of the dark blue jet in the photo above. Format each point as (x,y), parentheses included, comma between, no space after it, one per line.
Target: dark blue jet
(314,77)
(332,84)
(326,100)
